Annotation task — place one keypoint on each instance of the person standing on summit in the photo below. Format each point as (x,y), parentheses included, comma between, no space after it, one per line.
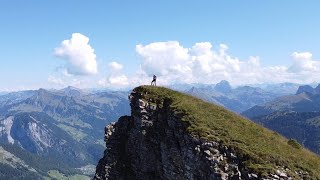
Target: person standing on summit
(154,81)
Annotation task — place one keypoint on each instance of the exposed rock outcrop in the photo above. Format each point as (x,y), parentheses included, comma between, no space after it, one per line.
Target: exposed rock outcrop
(153,143)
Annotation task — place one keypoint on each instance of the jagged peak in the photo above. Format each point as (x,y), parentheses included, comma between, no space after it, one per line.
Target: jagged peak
(71,88)
(305,89)
(71,91)
(42,92)
(223,86)
(317,89)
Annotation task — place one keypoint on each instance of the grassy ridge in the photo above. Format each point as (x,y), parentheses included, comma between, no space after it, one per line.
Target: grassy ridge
(263,149)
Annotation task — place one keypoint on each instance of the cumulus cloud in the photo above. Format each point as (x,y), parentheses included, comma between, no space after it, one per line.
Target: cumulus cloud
(61,81)
(303,62)
(79,55)
(204,63)
(302,55)
(114,66)
(174,63)
(164,58)
(115,81)
(200,63)
(116,78)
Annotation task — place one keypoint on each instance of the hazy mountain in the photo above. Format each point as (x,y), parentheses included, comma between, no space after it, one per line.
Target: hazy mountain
(72,91)
(280,89)
(15,97)
(305,88)
(223,86)
(235,99)
(62,124)
(308,89)
(305,100)
(294,116)
(3,93)
(186,87)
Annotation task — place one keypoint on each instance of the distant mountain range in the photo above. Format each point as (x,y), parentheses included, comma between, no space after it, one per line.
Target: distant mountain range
(306,99)
(47,132)
(64,125)
(294,116)
(280,89)
(236,99)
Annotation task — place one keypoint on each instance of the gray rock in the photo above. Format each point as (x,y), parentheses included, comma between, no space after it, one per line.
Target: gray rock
(153,143)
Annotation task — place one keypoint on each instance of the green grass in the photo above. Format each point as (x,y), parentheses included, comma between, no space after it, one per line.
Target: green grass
(294,143)
(57,175)
(71,121)
(73,132)
(263,149)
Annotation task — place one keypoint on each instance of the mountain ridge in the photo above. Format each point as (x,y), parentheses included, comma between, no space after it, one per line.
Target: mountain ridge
(174,135)
(294,116)
(61,124)
(236,99)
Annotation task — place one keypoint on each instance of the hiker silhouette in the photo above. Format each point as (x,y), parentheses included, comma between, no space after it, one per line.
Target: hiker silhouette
(154,81)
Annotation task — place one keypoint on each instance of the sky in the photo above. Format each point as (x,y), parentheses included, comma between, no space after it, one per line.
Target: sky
(120,44)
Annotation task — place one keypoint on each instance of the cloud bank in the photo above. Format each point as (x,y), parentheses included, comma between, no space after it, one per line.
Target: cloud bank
(204,63)
(174,63)
(78,54)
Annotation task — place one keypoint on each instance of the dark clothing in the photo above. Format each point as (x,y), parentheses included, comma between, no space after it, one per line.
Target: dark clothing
(154,81)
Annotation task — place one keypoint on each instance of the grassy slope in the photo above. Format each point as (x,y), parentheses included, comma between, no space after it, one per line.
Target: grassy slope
(57,175)
(263,149)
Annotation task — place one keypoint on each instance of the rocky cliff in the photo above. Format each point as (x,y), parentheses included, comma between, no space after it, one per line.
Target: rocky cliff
(164,139)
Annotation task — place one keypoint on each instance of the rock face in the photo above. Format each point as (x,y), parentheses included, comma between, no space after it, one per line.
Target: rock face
(153,143)
(305,88)
(309,89)
(223,86)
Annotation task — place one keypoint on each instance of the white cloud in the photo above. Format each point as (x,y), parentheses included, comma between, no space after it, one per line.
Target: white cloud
(115,81)
(61,81)
(173,63)
(164,58)
(120,80)
(202,63)
(80,56)
(55,81)
(114,66)
(303,62)
(302,55)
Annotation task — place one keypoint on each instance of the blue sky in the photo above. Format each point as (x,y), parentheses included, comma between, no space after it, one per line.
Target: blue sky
(270,31)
